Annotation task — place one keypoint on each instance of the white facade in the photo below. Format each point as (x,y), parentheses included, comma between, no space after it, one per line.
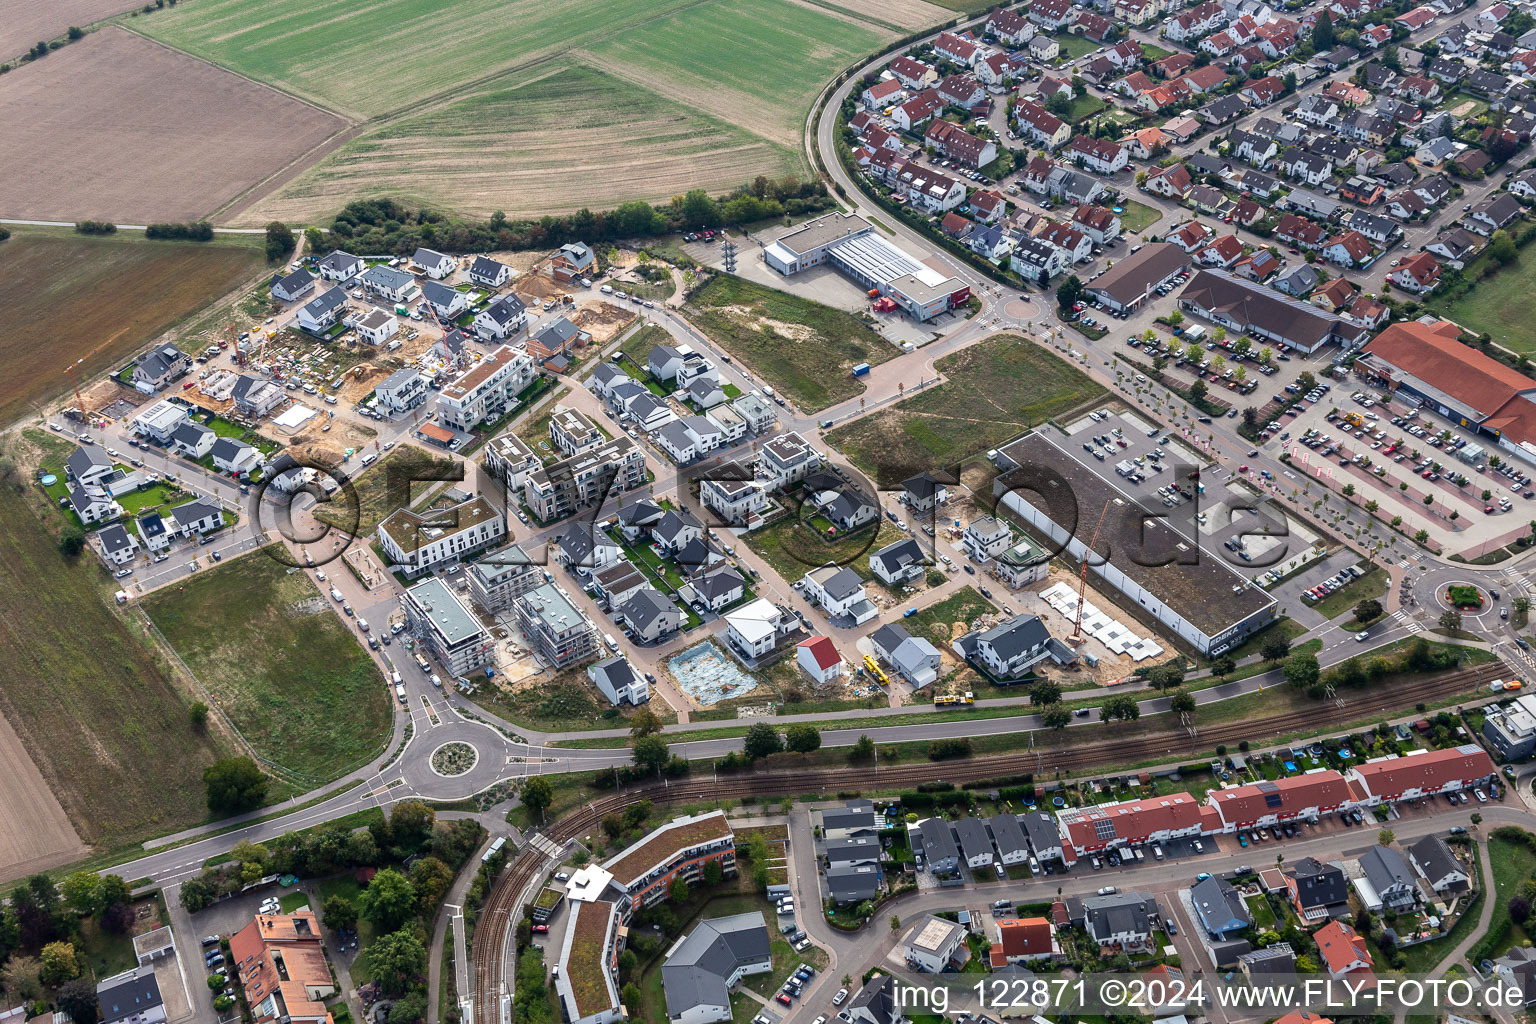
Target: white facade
(486,391)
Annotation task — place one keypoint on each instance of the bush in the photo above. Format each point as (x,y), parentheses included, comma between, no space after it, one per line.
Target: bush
(196,231)
(948,749)
(95,227)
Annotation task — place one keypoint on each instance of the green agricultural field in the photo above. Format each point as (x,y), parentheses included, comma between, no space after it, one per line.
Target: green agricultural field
(291,677)
(515,146)
(754,63)
(804,349)
(993,391)
(92,704)
(389,54)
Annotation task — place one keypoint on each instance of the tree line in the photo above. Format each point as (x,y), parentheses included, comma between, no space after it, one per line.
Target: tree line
(378,226)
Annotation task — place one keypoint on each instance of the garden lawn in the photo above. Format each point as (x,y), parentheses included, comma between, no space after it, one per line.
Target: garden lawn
(794,548)
(1137,217)
(804,349)
(937,621)
(1073,47)
(1500,306)
(1371,586)
(280,664)
(1513,863)
(994,390)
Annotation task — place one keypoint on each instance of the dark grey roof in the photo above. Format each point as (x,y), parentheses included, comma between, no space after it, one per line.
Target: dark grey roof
(115,538)
(938,842)
(852,883)
(427,257)
(484,266)
(325,302)
(129,994)
(878,999)
(194,511)
(1220,908)
(1042,831)
(926,484)
(617,671)
(157,362)
(338,260)
(1008,834)
(85,458)
(190,433)
(1276,958)
(645,606)
(1319,884)
(703,387)
(1223,109)
(855,814)
(556,333)
(673,522)
(151,525)
(889,636)
(1435,858)
(1125,912)
(973,837)
(1385,868)
(857,850)
(293,282)
(698,969)
(227,448)
(1016,635)
(897,556)
(381,276)
(641,512)
(676,435)
(842,584)
(718,583)
(438,293)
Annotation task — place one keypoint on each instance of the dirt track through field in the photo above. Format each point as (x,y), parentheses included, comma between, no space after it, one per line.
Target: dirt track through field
(25,22)
(37,835)
(116,127)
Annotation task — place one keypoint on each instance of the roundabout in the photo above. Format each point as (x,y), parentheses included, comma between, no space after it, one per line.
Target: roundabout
(1462,596)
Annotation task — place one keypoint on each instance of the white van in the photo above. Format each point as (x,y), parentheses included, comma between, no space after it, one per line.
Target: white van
(437,681)
(336,595)
(613,645)
(400,693)
(1157,852)
(370,459)
(394,677)
(362,624)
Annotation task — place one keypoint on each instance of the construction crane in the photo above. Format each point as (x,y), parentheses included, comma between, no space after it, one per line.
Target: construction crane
(1082,578)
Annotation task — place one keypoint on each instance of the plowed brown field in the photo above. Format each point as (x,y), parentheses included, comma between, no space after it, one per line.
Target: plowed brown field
(25,22)
(115,127)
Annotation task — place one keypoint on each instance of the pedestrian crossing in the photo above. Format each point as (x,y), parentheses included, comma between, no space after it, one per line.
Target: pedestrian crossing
(1408,621)
(1405,564)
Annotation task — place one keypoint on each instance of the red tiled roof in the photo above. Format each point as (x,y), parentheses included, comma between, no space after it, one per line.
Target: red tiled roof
(823,650)
(1094,827)
(1337,292)
(1206,78)
(1434,769)
(1283,797)
(1028,936)
(1340,946)
(1422,267)
(880,90)
(905,65)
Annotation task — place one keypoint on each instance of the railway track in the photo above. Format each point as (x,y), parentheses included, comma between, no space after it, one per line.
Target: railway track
(492,953)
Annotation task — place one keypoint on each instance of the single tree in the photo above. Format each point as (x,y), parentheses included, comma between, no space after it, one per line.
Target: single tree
(644,723)
(235,785)
(197,715)
(59,963)
(1301,670)
(1450,621)
(1275,647)
(389,900)
(678,891)
(1222,666)
(78,999)
(1182,703)
(22,977)
(650,753)
(802,738)
(339,913)
(1367,610)
(81,891)
(1386,837)
(410,825)
(895,923)
(1044,692)
(409,1009)
(397,960)
(863,750)
(537,795)
(762,740)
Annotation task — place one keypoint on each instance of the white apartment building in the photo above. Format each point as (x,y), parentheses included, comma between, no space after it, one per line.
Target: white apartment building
(486,390)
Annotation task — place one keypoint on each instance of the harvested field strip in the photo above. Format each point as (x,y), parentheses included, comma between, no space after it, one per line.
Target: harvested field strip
(903,15)
(992,391)
(92,705)
(281,665)
(132,132)
(67,296)
(515,146)
(372,59)
(24,22)
(801,347)
(755,63)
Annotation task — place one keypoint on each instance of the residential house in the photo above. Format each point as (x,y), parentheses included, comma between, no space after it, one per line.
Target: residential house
(1343,950)
(1039,125)
(255,398)
(1317,890)
(1334,295)
(1053,15)
(322,312)
(341,266)
(502,318)
(118,546)
(489,273)
(1221,252)
(1419,274)
(955,143)
(899,561)
(1389,878)
(1172,181)
(962,91)
(1349,249)
(573,260)
(1036,261)
(986,537)
(913,74)
(915,112)
(616,679)
(1098,222)
(158,367)
(374,326)
(959,49)
(194,440)
(403,390)
(1220,907)
(1440,868)
(843,505)
(786,460)
(1022,941)
(446,302)
(197,516)
(1099,155)
(1298,281)
(839,592)
(649,615)
(819,660)
(886,92)
(289,287)
(1494,213)
(434,264)
(233,456)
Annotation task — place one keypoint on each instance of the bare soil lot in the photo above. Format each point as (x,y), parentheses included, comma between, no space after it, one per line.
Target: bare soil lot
(130,131)
(68,296)
(26,22)
(48,840)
